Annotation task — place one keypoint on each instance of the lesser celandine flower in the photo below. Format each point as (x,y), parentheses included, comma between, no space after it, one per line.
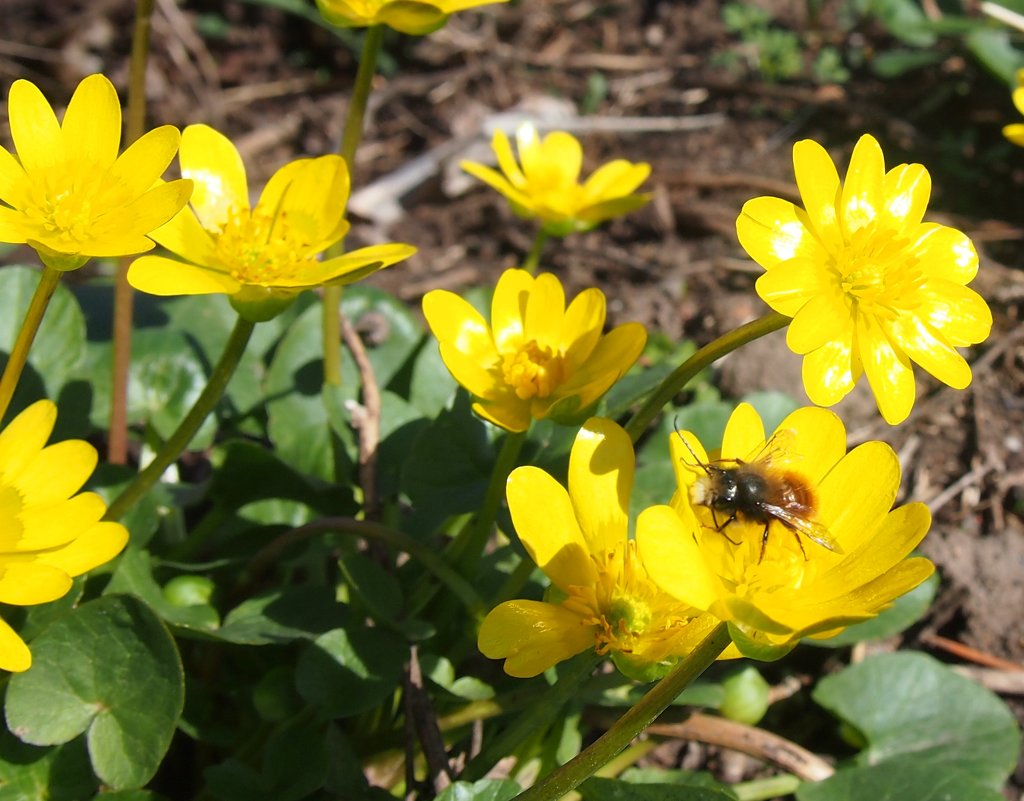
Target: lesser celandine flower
(260,257)
(48,534)
(545,182)
(794,587)
(67,192)
(537,358)
(416,17)
(601,595)
(1015,132)
(870,287)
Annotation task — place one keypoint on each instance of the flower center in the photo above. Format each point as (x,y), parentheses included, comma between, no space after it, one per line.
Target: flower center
(879,272)
(262,249)
(533,371)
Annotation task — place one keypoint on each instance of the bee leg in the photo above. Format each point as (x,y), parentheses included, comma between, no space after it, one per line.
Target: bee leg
(764,543)
(801,544)
(720,527)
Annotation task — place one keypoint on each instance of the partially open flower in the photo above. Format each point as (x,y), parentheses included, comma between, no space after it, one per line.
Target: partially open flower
(545,181)
(416,17)
(261,257)
(796,540)
(48,533)
(601,596)
(870,287)
(67,192)
(1015,131)
(537,358)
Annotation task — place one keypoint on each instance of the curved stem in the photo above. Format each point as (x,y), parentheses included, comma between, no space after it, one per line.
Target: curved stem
(350,138)
(135,122)
(533,257)
(181,437)
(30,325)
(707,355)
(585,764)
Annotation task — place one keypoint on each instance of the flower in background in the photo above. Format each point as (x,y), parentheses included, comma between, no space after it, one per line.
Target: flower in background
(416,17)
(774,592)
(48,534)
(67,192)
(601,595)
(537,358)
(1015,132)
(869,286)
(261,257)
(545,181)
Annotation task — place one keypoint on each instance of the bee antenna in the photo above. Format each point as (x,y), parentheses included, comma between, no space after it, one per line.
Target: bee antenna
(682,439)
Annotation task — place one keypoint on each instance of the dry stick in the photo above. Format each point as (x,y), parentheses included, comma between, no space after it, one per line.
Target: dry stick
(368,421)
(424,720)
(963,651)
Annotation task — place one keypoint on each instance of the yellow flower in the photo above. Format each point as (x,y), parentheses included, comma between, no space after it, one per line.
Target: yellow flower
(416,17)
(1015,132)
(538,358)
(601,595)
(869,286)
(547,185)
(798,588)
(261,257)
(68,194)
(48,534)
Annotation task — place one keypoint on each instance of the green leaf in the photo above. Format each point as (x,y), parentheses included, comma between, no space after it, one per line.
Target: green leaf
(390,334)
(599,789)
(134,576)
(432,386)
(376,587)
(896,62)
(109,669)
(345,672)
(483,790)
(771,406)
(295,613)
(907,610)
(994,48)
(928,731)
(904,20)
(31,773)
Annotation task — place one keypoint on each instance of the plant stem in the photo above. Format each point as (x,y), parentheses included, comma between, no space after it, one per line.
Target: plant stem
(533,257)
(707,355)
(536,716)
(581,767)
(181,437)
(117,442)
(30,325)
(769,787)
(350,137)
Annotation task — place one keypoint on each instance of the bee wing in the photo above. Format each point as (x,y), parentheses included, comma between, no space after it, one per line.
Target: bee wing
(777,448)
(811,529)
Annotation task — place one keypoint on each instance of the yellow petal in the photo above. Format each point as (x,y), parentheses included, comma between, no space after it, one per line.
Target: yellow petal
(412,18)
(532,636)
(744,434)
(673,559)
(506,412)
(888,371)
(772,231)
(959,313)
(55,525)
(508,309)
(1015,133)
(582,326)
(858,492)
(545,311)
(787,286)
(14,185)
(831,371)
(125,232)
(12,226)
(614,179)
(34,127)
(820,439)
(862,201)
(507,160)
(97,545)
(495,180)
(312,200)
(91,131)
(480,377)
(599,212)
(818,181)
(161,276)
(14,654)
(214,165)
(601,467)
(546,523)
(821,319)
(24,437)
(559,158)
(454,321)
(28,583)
(929,351)
(145,160)
(614,355)
(945,253)
(906,191)
(351,267)
(184,236)
(56,472)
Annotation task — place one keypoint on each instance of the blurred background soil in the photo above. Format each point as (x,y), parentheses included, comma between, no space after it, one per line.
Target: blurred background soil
(664,82)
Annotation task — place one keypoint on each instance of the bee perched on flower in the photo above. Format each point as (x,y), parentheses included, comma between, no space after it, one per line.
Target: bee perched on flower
(262,256)
(415,17)
(537,358)
(545,184)
(67,192)
(870,287)
(602,597)
(779,568)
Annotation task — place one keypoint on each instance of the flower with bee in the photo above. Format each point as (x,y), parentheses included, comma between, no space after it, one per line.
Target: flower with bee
(788,536)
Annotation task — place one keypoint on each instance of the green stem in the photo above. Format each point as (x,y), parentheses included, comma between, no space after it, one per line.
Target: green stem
(350,138)
(181,437)
(769,787)
(585,764)
(30,325)
(707,355)
(515,581)
(135,123)
(535,717)
(533,257)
